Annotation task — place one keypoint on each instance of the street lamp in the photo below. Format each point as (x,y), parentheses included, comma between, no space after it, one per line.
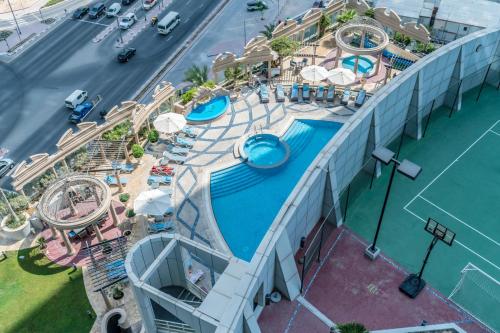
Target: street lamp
(18,30)
(413,284)
(405,167)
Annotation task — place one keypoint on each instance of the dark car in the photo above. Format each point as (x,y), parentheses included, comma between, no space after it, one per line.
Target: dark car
(80,12)
(126,54)
(97,10)
(127,2)
(5,166)
(256,5)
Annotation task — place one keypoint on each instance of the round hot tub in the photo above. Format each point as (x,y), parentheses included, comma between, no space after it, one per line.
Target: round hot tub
(264,151)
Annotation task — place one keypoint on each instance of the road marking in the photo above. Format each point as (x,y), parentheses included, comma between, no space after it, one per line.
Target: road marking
(96,23)
(169,38)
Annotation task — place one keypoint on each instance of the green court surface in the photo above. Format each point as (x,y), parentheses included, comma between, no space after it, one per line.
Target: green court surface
(458,187)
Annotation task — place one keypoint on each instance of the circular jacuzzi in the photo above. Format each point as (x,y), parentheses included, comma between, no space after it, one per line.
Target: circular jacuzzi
(264,151)
(365,65)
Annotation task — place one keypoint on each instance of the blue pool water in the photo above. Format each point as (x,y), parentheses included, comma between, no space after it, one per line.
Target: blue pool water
(265,150)
(246,200)
(365,65)
(210,110)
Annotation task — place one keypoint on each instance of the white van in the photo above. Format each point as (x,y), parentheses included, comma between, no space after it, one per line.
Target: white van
(168,23)
(76,97)
(113,10)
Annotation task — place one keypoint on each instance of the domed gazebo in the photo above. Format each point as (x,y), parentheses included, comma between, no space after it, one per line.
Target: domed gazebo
(372,40)
(76,202)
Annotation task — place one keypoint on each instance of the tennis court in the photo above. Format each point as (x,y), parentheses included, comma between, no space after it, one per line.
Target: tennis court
(460,188)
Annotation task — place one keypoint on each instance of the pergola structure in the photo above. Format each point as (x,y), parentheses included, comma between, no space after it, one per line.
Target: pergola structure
(365,27)
(76,202)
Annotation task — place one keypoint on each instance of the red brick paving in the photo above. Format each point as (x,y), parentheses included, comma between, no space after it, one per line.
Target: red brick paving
(349,287)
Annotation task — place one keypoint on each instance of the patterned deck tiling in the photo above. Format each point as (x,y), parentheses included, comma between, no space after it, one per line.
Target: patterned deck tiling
(214,149)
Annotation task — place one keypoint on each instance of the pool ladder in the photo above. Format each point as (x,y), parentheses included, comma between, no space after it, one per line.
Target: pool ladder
(255,129)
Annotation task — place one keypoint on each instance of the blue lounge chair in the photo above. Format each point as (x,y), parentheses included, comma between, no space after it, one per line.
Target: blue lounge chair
(186,142)
(168,157)
(179,150)
(320,93)
(346,95)
(111,180)
(330,95)
(280,93)
(264,94)
(159,180)
(305,92)
(294,93)
(160,226)
(189,131)
(360,99)
(124,167)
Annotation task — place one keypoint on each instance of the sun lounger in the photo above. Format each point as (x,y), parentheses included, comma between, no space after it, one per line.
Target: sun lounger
(305,92)
(280,94)
(179,150)
(159,179)
(185,142)
(330,95)
(360,99)
(154,228)
(294,93)
(189,131)
(111,180)
(124,167)
(264,94)
(346,95)
(168,157)
(320,93)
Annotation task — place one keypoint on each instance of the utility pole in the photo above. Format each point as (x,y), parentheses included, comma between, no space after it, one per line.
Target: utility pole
(18,30)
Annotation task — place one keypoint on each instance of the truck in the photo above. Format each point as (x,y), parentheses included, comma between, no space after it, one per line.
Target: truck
(81,111)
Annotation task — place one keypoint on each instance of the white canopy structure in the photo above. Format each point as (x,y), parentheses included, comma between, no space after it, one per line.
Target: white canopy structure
(341,76)
(154,202)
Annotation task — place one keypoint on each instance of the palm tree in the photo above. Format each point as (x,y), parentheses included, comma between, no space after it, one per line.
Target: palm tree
(197,75)
(233,73)
(268,30)
(346,16)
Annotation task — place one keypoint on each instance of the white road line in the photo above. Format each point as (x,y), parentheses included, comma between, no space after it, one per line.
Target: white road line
(456,241)
(169,38)
(451,164)
(492,131)
(459,220)
(96,23)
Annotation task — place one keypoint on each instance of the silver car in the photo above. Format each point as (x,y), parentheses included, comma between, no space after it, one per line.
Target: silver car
(5,166)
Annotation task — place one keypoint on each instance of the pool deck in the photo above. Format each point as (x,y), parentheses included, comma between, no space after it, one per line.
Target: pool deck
(213,150)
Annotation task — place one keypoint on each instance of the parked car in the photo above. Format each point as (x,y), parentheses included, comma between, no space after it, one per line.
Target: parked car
(113,10)
(127,2)
(127,21)
(78,96)
(96,11)
(126,54)
(81,111)
(6,165)
(80,13)
(256,5)
(148,4)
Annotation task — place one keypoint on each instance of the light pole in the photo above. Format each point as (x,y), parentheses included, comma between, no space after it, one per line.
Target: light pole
(405,167)
(18,30)
(413,284)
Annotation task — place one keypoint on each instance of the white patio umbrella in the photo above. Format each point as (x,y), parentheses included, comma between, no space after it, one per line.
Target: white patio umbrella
(314,73)
(169,123)
(341,76)
(154,202)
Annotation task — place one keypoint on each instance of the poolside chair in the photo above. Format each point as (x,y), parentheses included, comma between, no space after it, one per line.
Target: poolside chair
(346,95)
(124,167)
(156,227)
(185,142)
(305,92)
(330,95)
(111,180)
(189,131)
(179,150)
(280,93)
(360,99)
(294,93)
(162,180)
(320,93)
(168,157)
(162,170)
(264,94)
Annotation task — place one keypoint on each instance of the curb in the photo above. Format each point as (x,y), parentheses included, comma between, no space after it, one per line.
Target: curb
(174,58)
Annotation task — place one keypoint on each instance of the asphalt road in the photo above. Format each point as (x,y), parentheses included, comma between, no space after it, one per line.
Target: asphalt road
(34,86)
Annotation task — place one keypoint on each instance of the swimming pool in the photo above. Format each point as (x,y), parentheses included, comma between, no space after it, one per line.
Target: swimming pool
(265,151)
(210,110)
(365,65)
(246,200)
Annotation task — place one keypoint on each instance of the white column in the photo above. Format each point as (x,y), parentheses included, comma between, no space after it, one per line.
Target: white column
(69,248)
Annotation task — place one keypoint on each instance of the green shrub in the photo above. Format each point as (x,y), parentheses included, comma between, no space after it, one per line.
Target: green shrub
(12,223)
(324,22)
(284,46)
(370,13)
(130,213)
(209,84)
(153,136)
(188,96)
(124,197)
(351,328)
(19,203)
(118,132)
(137,151)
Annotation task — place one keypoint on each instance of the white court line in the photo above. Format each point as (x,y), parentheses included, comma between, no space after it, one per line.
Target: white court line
(492,131)
(451,164)
(459,220)
(456,241)
(96,23)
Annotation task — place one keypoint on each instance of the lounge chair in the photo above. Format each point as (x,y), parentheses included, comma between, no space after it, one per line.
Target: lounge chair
(280,93)
(179,150)
(168,157)
(320,93)
(305,92)
(189,131)
(330,95)
(346,95)
(156,227)
(165,180)
(264,93)
(360,99)
(185,142)
(111,180)
(124,167)
(294,93)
